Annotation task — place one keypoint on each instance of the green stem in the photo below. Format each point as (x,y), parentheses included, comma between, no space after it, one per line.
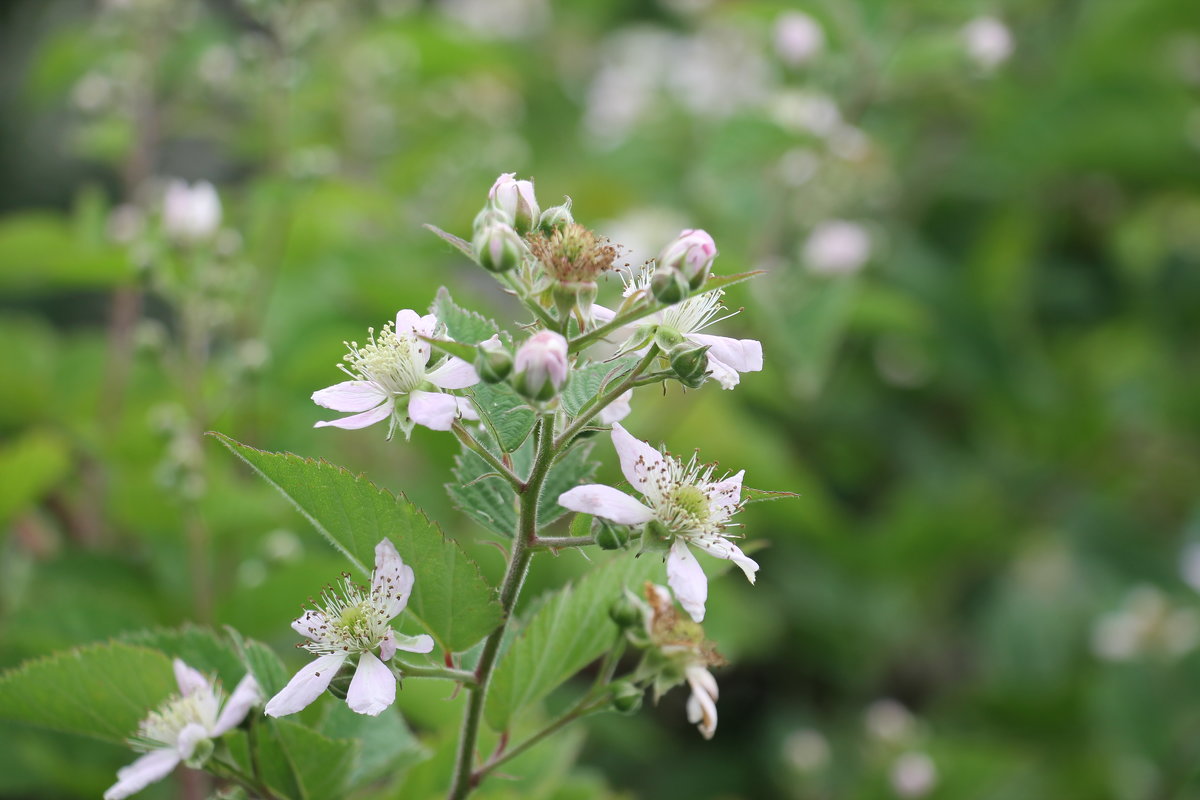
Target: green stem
(463,676)
(532,305)
(518,565)
(590,410)
(474,445)
(619,321)
(559,542)
(585,706)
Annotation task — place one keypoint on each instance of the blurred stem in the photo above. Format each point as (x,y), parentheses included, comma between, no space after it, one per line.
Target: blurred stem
(465,780)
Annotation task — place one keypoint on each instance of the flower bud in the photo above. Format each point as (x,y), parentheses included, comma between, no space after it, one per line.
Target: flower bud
(498,248)
(626,697)
(610,536)
(493,362)
(690,363)
(669,285)
(556,217)
(191,213)
(516,199)
(625,612)
(692,253)
(541,365)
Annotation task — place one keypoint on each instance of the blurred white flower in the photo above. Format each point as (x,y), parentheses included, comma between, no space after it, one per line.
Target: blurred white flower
(913,775)
(218,65)
(805,112)
(806,750)
(889,721)
(1189,565)
(498,19)
(1145,624)
(191,213)
(987,41)
(837,247)
(798,38)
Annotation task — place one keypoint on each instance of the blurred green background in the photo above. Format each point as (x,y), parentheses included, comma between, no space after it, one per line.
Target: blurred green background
(980,223)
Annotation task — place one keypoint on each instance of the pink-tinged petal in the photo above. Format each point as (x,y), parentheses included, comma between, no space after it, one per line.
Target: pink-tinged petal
(454,374)
(387,646)
(605,501)
(727,493)
(245,696)
(422,643)
(192,734)
(189,680)
(687,579)
(617,410)
(154,766)
(725,549)
(466,409)
(602,315)
(640,462)
(310,624)
(373,687)
(434,410)
(408,322)
(392,579)
(305,686)
(359,420)
(743,355)
(349,396)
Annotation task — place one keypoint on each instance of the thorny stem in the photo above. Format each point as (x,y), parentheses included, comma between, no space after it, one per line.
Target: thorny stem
(495,463)
(510,589)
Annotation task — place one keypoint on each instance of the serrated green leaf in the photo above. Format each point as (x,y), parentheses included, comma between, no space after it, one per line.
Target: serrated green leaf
(458,243)
(450,597)
(505,413)
(490,501)
(301,763)
(567,633)
(388,745)
(586,382)
(463,326)
(199,648)
(574,468)
(101,690)
(261,662)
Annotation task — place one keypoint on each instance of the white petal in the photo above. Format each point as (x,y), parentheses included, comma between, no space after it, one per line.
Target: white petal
(701,709)
(310,624)
(617,410)
(722,373)
(192,734)
(466,409)
(359,420)
(154,766)
(726,494)
(687,579)
(373,687)
(392,579)
(189,680)
(602,315)
(639,461)
(723,548)
(408,322)
(414,644)
(454,374)
(434,410)
(305,686)
(349,396)
(744,355)
(245,696)
(605,501)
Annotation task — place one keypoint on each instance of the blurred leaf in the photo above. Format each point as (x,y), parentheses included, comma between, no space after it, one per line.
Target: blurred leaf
(261,662)
(43,251)
(585,383)
(574,468)
(198,647)
(100,690)
(506,413)
(388,748)
(299,762)
(458,243)
(449,597)
(462,324)
(566,633)
(29,467)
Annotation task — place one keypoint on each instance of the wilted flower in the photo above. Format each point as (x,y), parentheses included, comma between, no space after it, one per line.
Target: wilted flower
(540,367)
(516,199)
(355,620)
(692,252)
(988,42)
(181,730)
(837,247)
(387,375)
(680,496)
(798,38)
(191,213)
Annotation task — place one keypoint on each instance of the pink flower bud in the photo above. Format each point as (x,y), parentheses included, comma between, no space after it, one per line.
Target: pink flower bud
(516,199)
(541,365)
(692,253)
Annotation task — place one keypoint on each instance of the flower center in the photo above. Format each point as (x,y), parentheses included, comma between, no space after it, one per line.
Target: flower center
(163,726)
(690,502)
(393,362)
(356,619)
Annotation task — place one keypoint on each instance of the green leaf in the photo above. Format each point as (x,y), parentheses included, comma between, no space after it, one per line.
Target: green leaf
(301,763)
(563,636)
(458,243)
(101,690)
(490,501)
(505,413)
(449,597)
(388,746)
(764,495)
(574,468)
(44,251)
(585,383)
(30,467)
(199,648)
(463,326)
(261,662)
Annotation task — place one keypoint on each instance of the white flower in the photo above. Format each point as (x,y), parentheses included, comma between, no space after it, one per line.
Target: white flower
(987,41)
(837,247)
(355,620)
(684,498)
(388,373)
(727,357)
(182,729)
(191,213)
(914,775)
(702,705)
(798,38)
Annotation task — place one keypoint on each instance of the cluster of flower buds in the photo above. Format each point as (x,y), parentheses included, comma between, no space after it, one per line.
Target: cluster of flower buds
(511,211)
(683,266)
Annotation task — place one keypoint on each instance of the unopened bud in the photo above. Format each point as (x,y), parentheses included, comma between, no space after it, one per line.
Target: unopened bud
(626,697)
(571,294)
(541,365)
(625,612)
(692,253)
(610,536)
(668,285)
(498,248)
(556,217)
(493,362)
(690,363)
(490,215)
(516,199)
